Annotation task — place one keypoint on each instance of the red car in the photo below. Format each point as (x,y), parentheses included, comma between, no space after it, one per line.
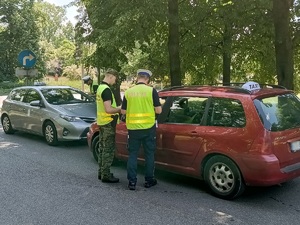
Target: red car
(230,136)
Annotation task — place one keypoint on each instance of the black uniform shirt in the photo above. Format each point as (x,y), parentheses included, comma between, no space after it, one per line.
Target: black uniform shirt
(106,94)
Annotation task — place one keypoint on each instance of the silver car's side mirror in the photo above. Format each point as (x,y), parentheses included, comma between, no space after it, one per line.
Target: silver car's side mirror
(37,103)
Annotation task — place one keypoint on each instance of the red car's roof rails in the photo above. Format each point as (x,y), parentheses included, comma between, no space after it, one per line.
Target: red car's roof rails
(183,86)
(232,87)
(238,84)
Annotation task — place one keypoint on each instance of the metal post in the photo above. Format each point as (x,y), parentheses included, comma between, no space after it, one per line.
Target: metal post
(82,75)
(27,75)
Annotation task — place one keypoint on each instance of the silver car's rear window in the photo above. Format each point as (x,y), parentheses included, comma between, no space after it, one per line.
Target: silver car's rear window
(279,113)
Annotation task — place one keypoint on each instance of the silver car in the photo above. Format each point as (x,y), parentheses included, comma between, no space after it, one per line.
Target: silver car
(59,113)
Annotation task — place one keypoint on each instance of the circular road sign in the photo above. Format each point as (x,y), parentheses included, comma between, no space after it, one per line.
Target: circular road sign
(27,58)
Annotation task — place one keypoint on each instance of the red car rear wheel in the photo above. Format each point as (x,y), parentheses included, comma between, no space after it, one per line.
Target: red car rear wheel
(223,177)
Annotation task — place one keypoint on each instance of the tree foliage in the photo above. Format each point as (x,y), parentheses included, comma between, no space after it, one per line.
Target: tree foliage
(56,36)
(37,26)
(181,42)
(218,40)
(18,32)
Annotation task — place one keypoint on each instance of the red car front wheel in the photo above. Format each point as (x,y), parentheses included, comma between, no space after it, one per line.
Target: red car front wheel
(95,147)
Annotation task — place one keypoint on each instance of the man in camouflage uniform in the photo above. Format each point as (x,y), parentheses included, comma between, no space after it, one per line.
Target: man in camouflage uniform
(107,117)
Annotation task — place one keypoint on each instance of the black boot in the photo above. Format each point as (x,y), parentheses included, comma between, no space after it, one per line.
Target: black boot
(150,183)
(99,175)
(131,186)
(110,179)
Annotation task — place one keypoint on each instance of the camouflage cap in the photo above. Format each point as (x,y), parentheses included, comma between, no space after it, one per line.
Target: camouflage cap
(112,71)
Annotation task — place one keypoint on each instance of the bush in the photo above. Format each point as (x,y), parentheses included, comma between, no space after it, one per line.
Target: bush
(7,86)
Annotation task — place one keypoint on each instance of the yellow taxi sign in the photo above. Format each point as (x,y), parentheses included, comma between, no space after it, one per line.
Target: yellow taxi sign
(251,86)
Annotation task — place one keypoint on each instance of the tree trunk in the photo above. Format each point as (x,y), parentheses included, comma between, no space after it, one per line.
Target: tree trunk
(227,43)
(173,43)
(283,43)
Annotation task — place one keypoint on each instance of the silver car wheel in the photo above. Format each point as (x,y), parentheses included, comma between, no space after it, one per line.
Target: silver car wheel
(7,127)
(50,134)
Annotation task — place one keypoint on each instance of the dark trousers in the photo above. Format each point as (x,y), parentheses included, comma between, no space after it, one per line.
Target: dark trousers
(146,138)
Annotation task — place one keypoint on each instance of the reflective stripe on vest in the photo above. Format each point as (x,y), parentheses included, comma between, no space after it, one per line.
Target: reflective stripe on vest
(103,117)
(140,112)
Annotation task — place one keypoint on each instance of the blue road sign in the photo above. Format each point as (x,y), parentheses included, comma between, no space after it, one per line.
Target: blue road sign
(27,58)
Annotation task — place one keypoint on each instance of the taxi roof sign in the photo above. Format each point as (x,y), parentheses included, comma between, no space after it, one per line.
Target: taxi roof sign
(251,86)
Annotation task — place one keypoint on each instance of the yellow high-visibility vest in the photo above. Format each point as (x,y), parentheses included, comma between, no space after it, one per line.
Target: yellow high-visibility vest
(140,112)
(92,86)
(103,117)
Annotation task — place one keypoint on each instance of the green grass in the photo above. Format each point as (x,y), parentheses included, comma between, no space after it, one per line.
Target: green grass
(64,81)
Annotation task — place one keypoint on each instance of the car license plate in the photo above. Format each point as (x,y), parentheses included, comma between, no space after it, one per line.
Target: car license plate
(295,146)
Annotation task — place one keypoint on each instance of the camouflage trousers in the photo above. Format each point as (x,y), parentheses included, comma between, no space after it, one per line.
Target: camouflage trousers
(107,147)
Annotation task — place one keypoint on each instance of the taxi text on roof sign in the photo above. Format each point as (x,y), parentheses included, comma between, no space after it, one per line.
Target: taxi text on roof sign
(251,86)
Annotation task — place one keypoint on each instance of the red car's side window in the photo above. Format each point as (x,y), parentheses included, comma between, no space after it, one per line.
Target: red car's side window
(186,110)
(226,112)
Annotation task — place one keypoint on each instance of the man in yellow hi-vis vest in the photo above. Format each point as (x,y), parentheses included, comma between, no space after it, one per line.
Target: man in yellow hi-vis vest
(141,104)
(107,117)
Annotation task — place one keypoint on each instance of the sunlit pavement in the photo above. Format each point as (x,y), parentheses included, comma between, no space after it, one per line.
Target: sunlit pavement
(1,100)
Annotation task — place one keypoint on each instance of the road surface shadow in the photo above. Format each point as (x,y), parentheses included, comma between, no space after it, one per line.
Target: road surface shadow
(169,177)
(23,135)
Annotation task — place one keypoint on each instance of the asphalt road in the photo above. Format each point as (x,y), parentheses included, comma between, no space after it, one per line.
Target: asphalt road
(43,185)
